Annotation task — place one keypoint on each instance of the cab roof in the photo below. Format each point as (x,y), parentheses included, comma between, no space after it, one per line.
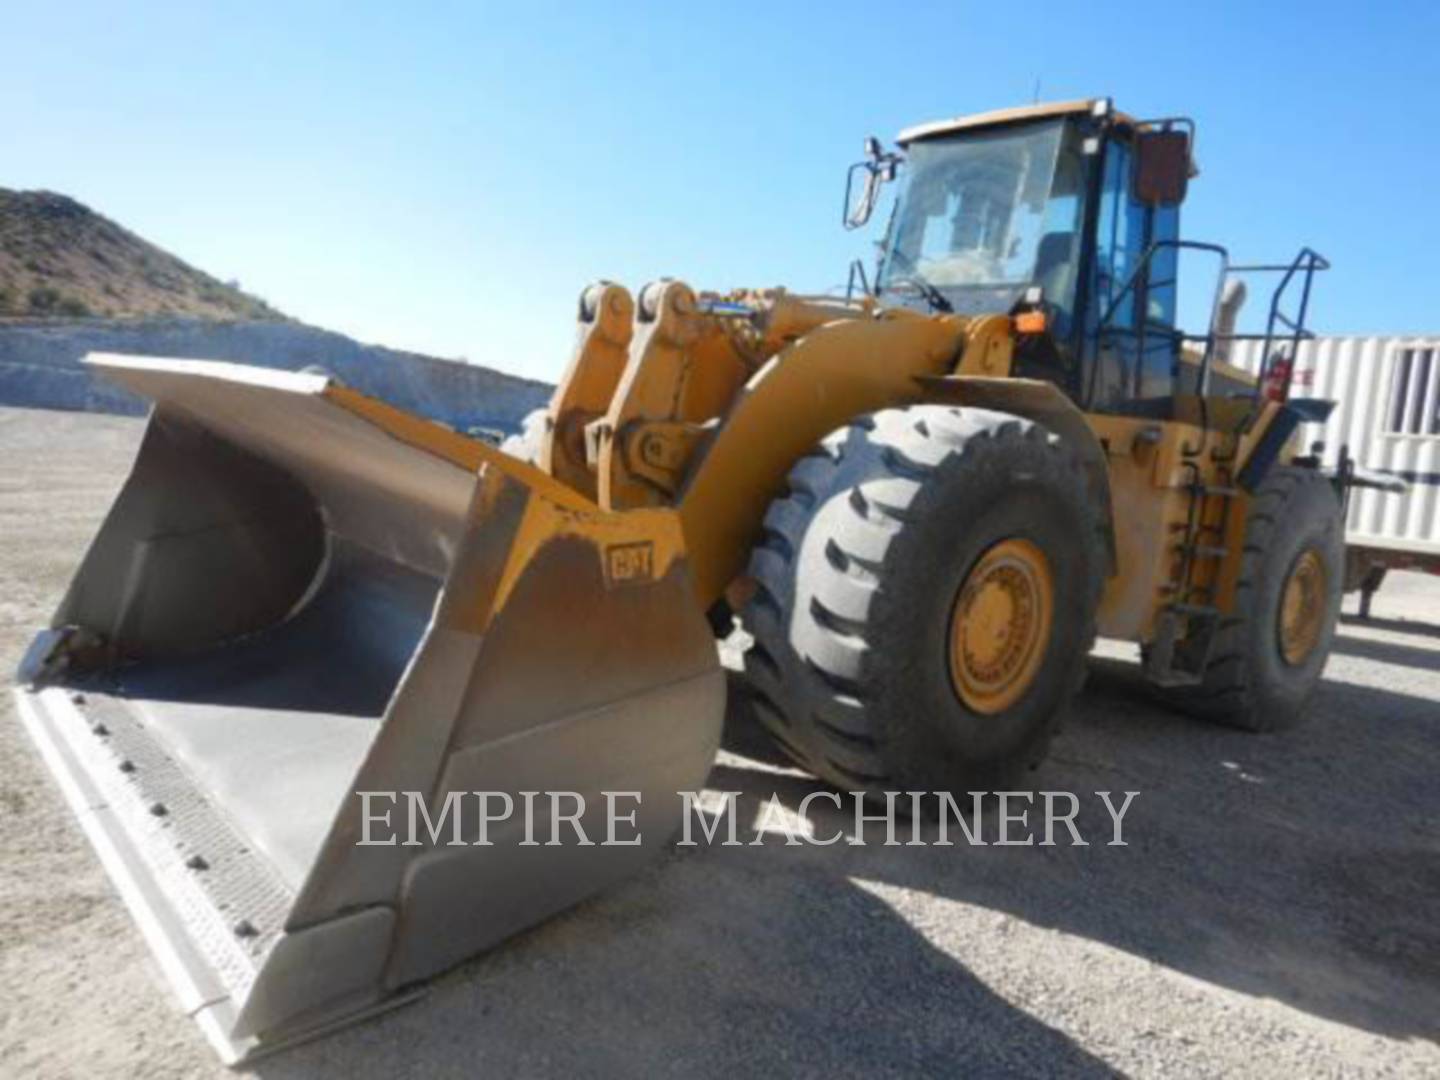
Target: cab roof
(1000,117)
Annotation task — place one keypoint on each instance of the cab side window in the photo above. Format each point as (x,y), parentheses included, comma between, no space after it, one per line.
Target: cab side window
(1119,237)
(1133,365)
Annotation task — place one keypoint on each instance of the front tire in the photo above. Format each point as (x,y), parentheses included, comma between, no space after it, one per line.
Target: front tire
(924,602)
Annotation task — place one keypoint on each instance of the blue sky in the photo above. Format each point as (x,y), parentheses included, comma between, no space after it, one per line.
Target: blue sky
(446,177)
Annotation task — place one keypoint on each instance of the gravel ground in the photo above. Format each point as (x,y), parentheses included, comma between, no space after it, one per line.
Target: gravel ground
(1274,913)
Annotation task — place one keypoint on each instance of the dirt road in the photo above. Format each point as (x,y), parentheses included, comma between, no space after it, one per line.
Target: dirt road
(1276,911)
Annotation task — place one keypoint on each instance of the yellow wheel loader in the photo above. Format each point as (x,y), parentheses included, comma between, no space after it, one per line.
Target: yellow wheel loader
(919,503)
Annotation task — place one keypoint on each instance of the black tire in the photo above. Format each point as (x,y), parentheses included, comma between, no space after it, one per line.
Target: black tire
(1248,684)
(855,579)
(525,443)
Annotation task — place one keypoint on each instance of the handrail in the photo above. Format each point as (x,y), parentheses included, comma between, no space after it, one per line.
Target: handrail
(1130,287)
(1306,263)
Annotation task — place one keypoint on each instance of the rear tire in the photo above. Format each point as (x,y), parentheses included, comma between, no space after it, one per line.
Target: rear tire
(859,575)
(1259,677)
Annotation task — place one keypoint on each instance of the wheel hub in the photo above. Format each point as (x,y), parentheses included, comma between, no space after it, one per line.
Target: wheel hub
(1000,625)
(1302,608)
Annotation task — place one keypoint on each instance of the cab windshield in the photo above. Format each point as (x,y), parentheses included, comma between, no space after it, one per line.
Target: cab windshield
(983,215)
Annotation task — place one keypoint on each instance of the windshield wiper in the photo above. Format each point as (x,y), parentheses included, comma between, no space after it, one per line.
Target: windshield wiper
(933,296)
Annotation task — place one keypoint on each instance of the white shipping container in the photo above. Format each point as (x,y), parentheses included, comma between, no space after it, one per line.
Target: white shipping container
(1387,416)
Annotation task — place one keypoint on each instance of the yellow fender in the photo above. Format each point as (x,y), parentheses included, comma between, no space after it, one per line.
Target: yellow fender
(833,374)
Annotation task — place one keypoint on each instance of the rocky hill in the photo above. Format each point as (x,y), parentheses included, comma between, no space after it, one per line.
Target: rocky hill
(42,365)
(60,258)
(73,282)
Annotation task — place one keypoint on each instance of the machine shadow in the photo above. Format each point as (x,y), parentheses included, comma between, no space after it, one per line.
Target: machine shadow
(1270,864)
(1388,652)
(1399,626)
(746,960)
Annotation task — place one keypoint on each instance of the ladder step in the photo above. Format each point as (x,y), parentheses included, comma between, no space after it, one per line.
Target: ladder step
(1180,527)
(1187,591)
(1209,551)
(1174,677)
(1174,588)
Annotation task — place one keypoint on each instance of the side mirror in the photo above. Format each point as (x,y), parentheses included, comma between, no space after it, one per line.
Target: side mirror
(861,197)
(1162,167)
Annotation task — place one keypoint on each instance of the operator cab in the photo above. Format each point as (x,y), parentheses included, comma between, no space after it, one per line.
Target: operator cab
(1054,207)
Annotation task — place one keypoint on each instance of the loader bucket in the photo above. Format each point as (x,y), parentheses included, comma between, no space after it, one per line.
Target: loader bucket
(305,603)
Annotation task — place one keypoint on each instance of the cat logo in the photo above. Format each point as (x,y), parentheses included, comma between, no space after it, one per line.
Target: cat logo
(630,564)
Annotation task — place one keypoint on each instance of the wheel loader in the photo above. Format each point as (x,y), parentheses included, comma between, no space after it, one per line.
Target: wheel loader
(918,502)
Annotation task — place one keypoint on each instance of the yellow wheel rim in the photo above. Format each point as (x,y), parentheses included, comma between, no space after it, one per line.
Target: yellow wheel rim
(1000,625)
(1302,607)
